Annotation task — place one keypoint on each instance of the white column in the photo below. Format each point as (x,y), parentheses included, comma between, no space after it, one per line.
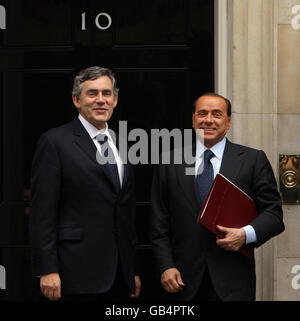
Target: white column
(2,17)
(255,101)
(250,61)
(223,40)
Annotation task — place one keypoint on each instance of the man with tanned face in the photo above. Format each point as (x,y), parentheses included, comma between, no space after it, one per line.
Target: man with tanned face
(191,262)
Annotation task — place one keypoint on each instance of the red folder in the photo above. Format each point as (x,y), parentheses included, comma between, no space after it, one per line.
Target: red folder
(228,206)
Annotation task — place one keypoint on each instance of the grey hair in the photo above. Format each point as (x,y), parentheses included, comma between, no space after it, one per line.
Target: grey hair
(93,73)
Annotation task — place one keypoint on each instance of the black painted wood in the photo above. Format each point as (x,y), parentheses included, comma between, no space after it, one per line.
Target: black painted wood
(162,52)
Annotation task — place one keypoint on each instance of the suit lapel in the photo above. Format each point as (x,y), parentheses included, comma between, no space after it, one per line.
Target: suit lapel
(85,143)
(188,186)
(186,178)
(83,140)
(232,161)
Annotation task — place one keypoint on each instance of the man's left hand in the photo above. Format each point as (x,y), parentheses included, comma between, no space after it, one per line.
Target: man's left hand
(138,283)
(233,240)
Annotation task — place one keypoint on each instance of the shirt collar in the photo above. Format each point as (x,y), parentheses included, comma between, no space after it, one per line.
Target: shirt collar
(91,129)
(217,149)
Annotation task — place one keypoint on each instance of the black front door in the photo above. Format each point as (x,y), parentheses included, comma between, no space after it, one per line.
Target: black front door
(162,52)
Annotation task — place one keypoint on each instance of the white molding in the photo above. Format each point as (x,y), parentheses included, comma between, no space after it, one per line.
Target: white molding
(223,49)
(2,17)
(223,41)
(2,277)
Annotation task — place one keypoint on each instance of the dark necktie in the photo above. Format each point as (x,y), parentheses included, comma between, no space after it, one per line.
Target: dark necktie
(205,179)
(109,156)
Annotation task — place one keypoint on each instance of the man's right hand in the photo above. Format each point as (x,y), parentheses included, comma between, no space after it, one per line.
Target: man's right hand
(171,280)
(50,285)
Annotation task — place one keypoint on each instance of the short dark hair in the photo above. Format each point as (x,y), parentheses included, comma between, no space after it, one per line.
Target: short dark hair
(227,101)
(93,73)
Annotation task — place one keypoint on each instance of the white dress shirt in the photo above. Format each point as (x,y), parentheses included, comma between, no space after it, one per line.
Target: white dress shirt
(216,161)
(93,133)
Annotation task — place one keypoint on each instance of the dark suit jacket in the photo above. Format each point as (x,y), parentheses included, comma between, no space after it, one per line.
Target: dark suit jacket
(79,223)
(178,241)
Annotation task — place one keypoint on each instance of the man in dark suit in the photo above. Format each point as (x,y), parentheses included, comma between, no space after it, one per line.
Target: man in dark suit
(192,263)
(82,215)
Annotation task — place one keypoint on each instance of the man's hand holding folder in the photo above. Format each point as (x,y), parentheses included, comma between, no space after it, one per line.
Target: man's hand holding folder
(233,240)
(225,211)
